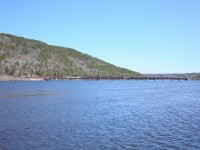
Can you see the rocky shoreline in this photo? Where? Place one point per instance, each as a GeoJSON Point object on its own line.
{"type": "Point", "coordinates": [11, 78]}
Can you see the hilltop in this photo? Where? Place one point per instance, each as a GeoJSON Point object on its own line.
{"type": "Point", "coordinates": [25, 57]}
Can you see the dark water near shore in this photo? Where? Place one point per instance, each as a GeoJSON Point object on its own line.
{"type": "Point", "coordinates": [100, 115]}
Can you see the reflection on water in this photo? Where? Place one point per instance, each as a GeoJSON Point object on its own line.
{"type": "Point", "coordinates": [100, 115]}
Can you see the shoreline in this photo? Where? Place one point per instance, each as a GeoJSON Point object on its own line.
{"type": "Point", "coordinates": [36, 78]}
{"type": "Point", "coordinates": [10, 78]}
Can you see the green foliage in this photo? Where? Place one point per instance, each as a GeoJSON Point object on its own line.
{"type": "Point", "coordinates": [1, 44]}
{"type": "Point", "coordinates": [12, 70]}
{"type": "Point", "coordinates": [24, 51]}
{"type": "Point", "coordinates": [38, 73]}
{"type": "Point", "coordinates": [2, 57]}
{"type": "Point", "coordinates": [7, 70]}
{"type": "Point", "coordinates": [47, 60]}
{"type": "Point", "coordinates": [17, 63]}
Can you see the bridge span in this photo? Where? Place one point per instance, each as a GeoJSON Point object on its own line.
{"type": "Point", "coordinates": [112, 78]}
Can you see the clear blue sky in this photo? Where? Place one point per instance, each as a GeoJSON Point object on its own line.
{"type": "Point", "coordinates": [149, 36]}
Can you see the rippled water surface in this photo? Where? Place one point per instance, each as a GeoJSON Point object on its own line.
{"type": "Point", "coordinates": [100, 115]}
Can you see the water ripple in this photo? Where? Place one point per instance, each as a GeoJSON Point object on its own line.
{"type": "Point", "coordinates": [100, 115]}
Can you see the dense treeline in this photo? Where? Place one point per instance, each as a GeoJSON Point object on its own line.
{"type": "Point", "coordinates": [22, 57]}
{"type": "Point", "coordinates": [190, 76]}
{"type": "Point", "coordinates": [193, 76]}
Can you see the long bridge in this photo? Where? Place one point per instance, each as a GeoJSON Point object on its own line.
{"type": "Point", "coordinates": [112, 78]}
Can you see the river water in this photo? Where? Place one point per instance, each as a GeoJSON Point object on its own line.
{"type": "Point", "coordinates": [100, 115]}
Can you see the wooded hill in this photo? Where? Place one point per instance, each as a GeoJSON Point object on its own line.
{"type": "Point", "coordinates": [21, 57]}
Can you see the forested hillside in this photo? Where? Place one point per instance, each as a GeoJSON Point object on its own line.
{"type": "Point", "coordinates": [21, 57]}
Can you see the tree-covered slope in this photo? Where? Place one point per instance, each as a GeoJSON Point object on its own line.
{"type": "Point", "coordinates": [21, 57]}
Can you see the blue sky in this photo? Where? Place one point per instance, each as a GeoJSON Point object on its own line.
{"type": "Point", "coordinates": [148, 36]}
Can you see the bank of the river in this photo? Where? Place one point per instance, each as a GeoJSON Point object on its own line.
{"type": "Point", "coordinates": [11, 78]}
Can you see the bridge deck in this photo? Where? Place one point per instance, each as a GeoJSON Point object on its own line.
{"type": "Point", "coordinates": [114, 78]}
